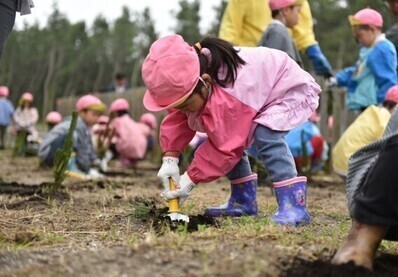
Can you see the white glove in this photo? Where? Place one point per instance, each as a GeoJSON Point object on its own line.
{"type": "Point", "coordinates": [183, 190]}
{"type": "Point", "coordinates": [103, 165]}
{"type": "Point", "coordinates": [168, 169]}
{"type": "Point", "coordinates": [331, 82]}
{"type": "Point", "coordinates": [94, 174]}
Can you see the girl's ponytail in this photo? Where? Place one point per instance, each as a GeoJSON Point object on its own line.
{"type": "Point", "coordinates": [220, 55]}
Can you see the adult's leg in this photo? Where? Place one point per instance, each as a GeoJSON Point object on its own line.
{"type": "Point", "coordinates": [360, 245]}
{"type": "Point", "coordinates": [7, 18]}
{"type": "Point", "coordinates": [374, 210]}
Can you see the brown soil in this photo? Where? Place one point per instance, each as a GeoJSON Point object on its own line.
{"type": "Point", "coordinates": [118, 226]}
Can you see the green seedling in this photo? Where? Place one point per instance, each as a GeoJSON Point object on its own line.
{"type": "Point", "coordinates": [62, 157]}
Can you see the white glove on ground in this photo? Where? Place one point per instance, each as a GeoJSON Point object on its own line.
{"type": "Point", "coordinates": [168, 169]}
{"type": "Point", "coordinates": [183, 190]}
{"type": "Point", "coordinates": [94, 174]}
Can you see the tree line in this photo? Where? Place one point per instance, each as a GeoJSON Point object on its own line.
{"type": "Point", "coordinates": [64, 58]}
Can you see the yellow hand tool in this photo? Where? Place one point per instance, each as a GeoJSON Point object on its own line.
{"type": "Point", "coordinates": [174, 206]}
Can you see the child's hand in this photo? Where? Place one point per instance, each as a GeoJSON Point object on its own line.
{"type": "Point", "coordinates": [183, 190]}
{"type": "Point", "coordinates": [169, 169]}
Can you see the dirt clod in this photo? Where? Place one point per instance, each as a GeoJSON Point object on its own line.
{"type": "Point", "coordinates": [25, 237]}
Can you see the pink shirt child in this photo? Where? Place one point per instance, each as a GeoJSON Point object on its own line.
{"type": "Point", "coordinates": [270, 90]}
{"type": "Point", "coordinates": [130, 138]}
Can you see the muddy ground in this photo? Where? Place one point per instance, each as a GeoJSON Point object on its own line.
{"type": "Point", "coordinates": [115, 227]}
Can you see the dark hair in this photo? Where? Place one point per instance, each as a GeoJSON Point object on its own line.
{"type": "Point", "coordinates": [223, 55]}
{"type": "Point", "coordinates": [388, 104]}
{"type": "Point", "coordinates": [366, 27]}
{"type": "Point", "coordinates": [121, 113]}
{"type": "Point", "coordinates": [120, 75]}
{"type": "Point", "coordinates": [275, 13]}
{"type": "Point", "coordinates": [23, 103]}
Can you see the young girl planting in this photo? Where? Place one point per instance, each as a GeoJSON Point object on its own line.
{"type": "Point", "coordinates": [236, 96]}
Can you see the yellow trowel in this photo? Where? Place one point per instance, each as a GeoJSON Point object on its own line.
{"type": "Point", "coordinates": [174, 206]}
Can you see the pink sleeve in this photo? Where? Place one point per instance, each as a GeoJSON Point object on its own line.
{"type": "Point", "coordinates": [175, 134]}
{"type": "Point", "coordinates": [228, 123]}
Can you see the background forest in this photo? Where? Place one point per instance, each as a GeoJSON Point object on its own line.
{"type": "Point", "coordinates": [63, 59]}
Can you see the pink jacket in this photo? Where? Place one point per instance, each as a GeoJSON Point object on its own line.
{"type": "Point", "coordinates": [270, 89]}
{"type": "Point", "coordinates": [130, 137]}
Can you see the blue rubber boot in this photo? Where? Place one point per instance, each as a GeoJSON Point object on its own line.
{"type": "Point", "coordinates": [242, 201]}
{"type": "Point", "coordinates": [291, 196]}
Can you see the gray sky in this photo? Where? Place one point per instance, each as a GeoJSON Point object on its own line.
{"type": "Point", "coordinates": [78, 10]}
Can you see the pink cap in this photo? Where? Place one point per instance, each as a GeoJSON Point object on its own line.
{"type": "Point", "coordinates": [149, 119]}
{"type": "Point", "coordinates": [392, 94]}
{"type": "Point", "coordinates": [27, 96]}
{"type": "Point", "coordinates": [314, 117]}
{"type": "Point", "coordinates": [53, 117]}
{"type": "Point", "coordinates": [90, 102]}
{"type": "Point", "coordinates": [103, 119]}
{"type": "Point", "coordinates": [366, 16]}
{"type": "Point", "coordinates": [170, 72]}
{"type": "Point", "coordinates": [119, 105]}
{"type": "Point", "coordinates": [4, 91]}
{"type": "Point", "coordinates": [280, 4]}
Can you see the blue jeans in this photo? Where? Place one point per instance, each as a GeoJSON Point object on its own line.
{"type": "Point", "coordinates": [274, 153]}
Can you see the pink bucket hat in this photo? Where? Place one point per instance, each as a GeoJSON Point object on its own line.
{"type": "Point", "coordinates": [392, 94]}
{"type": "Point", "coordinates": [119, 105]}
{"type": "Point", "coordinates": [280, 4]}
{"type": "Point", "coordinates": [170, 72]}
{"type": "Point", "coordinates": [4, 91]}
{"type": "Point", "coordinates": [90, 102]}
{"type": "Point", "coordinates": [53, 117]}
{"type": "Point", "coordinates": [27, 96]}
{"type": "Point", "coordinates": [149, 119]}
{"type": "Point", "coordinates": [366, 16]}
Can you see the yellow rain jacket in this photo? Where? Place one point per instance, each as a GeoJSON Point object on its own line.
{"type": "Point", "coordinates": [244, 22]}
{"type": "Point", "coordinates": [368, 127]}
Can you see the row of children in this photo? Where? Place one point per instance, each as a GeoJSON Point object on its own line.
{"type": "Point", "coordinates": [127, 139]}
{"type": "Point", "coordinates": [98, 138]}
